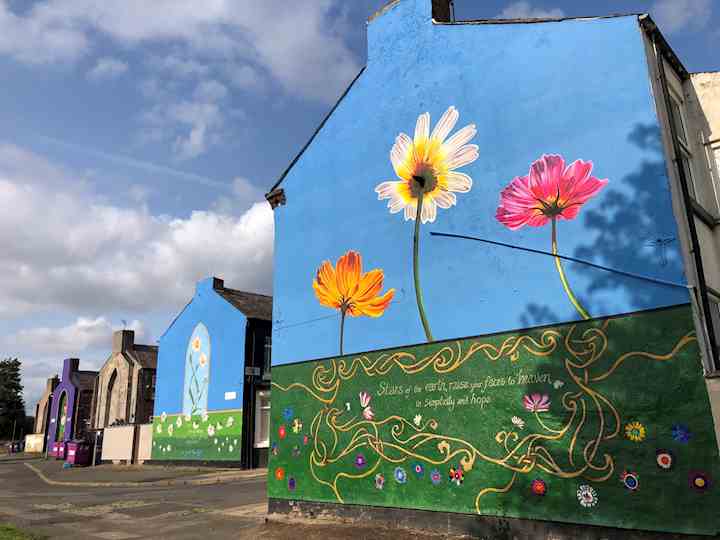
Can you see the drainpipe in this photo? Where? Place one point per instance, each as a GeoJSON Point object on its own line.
{"type": "Point", "coordinates": [689, 214]}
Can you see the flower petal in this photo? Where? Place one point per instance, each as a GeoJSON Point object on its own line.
{"type": "Point", "coordinates": [463, 156]}
{"type": "Point", "coordinates": [445, 199]}
{"type": "Point", "coordinates": [401, 156]}
{"type": "Point", "coordinates": [422, 128]}
{"type": "Point", "coordinates": [458, 182]}
{"type": "Point", "coordinates": [445, 125]}
{"type": "Point", "coordinates": [457, 141]}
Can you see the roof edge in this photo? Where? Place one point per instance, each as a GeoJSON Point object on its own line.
{"type": "Point", "coordinates": [536, 19]}
{"type": "Point", "coordinates": [652, 29]}
{"type": "Point", "coordinates": [315, 133]}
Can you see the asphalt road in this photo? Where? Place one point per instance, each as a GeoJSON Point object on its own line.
{"type": "Point", "coordinates": [228, 510]}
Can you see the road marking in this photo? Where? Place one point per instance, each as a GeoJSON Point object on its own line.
{"type": "Point", "coordinates": [115, 535]}
{"type": "Point", "coordinates": [248, 510]}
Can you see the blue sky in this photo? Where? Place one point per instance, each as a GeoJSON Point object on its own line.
{"type": "Point", "coordinates": [138, 138]}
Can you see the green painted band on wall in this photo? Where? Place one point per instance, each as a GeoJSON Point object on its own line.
{"type": "Point", "coordinates": [604, 422]}
{"type": "Point", "coordinates": [215, 436]}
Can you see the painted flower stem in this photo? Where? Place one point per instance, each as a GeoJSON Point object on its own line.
{"type": "Point", "coordinates": [416, 269]}
{"type": "Point", "coordinates": [558, 264]}
{"type": "Point", "coordinates": [342, 329]}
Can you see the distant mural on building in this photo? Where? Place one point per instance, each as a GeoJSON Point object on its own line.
{"type": "Point", "coordinates": [197, 372]}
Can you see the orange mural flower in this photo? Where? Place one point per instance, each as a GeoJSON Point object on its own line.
{"type": "Point", "coordinates": [345, 288]}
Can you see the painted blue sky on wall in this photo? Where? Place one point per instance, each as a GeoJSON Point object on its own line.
{"type": "Point", "coordinates": [552, 89]}
{"type": "Point", "coordinates": [154, 143]}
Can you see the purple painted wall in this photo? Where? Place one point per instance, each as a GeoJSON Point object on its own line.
{"type": "Point", "coordinates": [70, 366]}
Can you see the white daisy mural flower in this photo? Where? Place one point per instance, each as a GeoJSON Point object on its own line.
{"type": "Point", "coordinates": [418, 419]}
{"type": "Point", "coordinates": [235, 442]}
{"type": "Point", "coordinates": [205, 416]}
{"type": "Point", "coordinates": [518, 422]}
{"type": "Point", "coordinates": [230, 448]}
{"type": "Point", "coordinates": [163, 417]}
{"type": "Point", "coordinates": [587, 496]}
{"type": "Point", "coordinates": [215, 441]}
{"type": "Point", "coordinates": [195, 425]}
{"type": "Point", "coordinates": [170, 430]}
{"type": "Point", "coordinates": [188, 418]}
{"type": "Point", "coordinates": [178, 422]}
{"type": "Point", "coordinates": [558, 384]}
{"type": "Point", "coordinates": [230, 421]}
{"type": "Point", "coordinates": [169, 448]}
{"type": "Point", "coordinates": [158, 428]}
{"type": "Point", "coordinates": [211, 431]}
{"type": "Point", "coordinates": [218, 426]}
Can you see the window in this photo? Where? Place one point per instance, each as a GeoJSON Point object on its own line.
{"type": "Point", "coordinates": [262, 419]}
{"type": "Point", "coordinates": [677, 118]}
{"type": "Point", "coordinates": [267, 360]}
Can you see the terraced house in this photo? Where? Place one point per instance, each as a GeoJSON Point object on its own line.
{"type": "Point", "coordinates": [501, 297]}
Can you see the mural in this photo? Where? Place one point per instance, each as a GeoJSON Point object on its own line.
{"type": "Point", "coordinates": [211, 436]}
{"type": "Point", "coordinates": [604, 421]}
{"type": "Point", "coordinates": [197, 372]}
{"type": "Point", "coordinates": [62, 417]}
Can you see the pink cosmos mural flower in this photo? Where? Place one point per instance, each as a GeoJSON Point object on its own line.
{"type": "Point", "coordinates": [550, 192]}
{"type": "Point", "coordinates": [364, 399]}
{"type": "Point", "coordinates": [536, 402]}
{"type": "Point", "coordinates": [368, 413]}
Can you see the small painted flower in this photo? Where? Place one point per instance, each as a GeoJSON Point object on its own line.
{"type": "Point", "coordinates": [368, 413]}
{"type": "Point", "coordinates": [587, 496]}
{"type": "Point", "coordinates": [195, 425]}
{"type": "Point", "coordinates": [681, 433]}
{"type": "Point", "coordinates": [360, 461]}
{"type": "Point", "coordinates": [630, 480]}
{"type": "Point", "coordinates": [178, 422]}
{"type": "Point", "coordinates": [558, 384]}
{"type": "Point", "coordinates": [400, 475]}
{"type": "Point", "coordinates": [635, 431]}
{"type": "Point", "coordinates": [163, 417]}
{"type": "Point", "coordinates": [456, 475]}
{"type": "Point", "coordinates": [364, 399]}
{"type": "Point", "coordinates": [291, 484]}
{"type": "Point", "coordinates": [282, 432]}
{"type": "Point", "coordinates": [538, 487]}
{"type": "Point", "coordinates": [419, 469]}
{"type": "Point", "coordinates": [518, 422]}
{"type": "Point", "coordinates": [215, 441]}
{"type": "Point", "coordinates": [664, 459]}
{"type": "Point", "coordinates": [170, 430]}
{"type": "Point", "coordinates": [347, 406]}
{"type": "Point", "coordinates": [274, 449]}
{"type": "Point", "coordinates": [288, 413]}
{"type": "Point", "coordinates": [169, 448]}
{"type": "Point", "coordinates": [417, 420]}
{"type": "Point", "coordinates": [230, 421]}
{"type": "Point", "coordinates": [235, 442]}
{"type": "Point", "coordinates": [158, 428]}
{"type": "Point", "coordinates": [230, 448]}
{"type": "Point", "coordinates": [699, 481]}
{"type": "Point", "coordinates": [187, 417]}
{"type": "Point", "coordinates": [306, 440]}
{"type": "Point", "coordinates": [296, 451]}
{"type": "Point", "coordinates": [218, 426]}
{"type": "Point", "coordinates": [211, 430]}
{"type": "Point", "coordinates": [196, 343]}
{"type": "Point", "coordinates": [202, 361]}
{"type": "Point", "coordinates": [279, 473]}
{"type": "Point", "coordinates": [536, 402]}
{"type": "Point", "coordinates": [205, 417]}
{"type": "Point", "coordinates": [435, 477]}
{"type": "Point", "coordinates": [379, 481]}
{"type": "Point", "coordinates": [297, 426]}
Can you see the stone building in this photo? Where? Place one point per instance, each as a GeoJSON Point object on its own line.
{"type": "Point", "coordinates": [72, 406]}
{"type": "Point", "coordinates": [126, 383]}
{"type": "Point", "coordinates": [35, 441]}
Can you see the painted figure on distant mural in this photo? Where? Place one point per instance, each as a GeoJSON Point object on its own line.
{"type": "Point", "coordinates": [197, 372]}
{"type": "Point", "coordinates": [426, 167]}
{"type": "Point", "coordinates": [551, 191]}
{"type": "Point", "coordinates": [62, 414]}
{"type": "Point", "coordinates": [351, 292]}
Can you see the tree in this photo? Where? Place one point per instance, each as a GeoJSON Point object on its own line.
{"type": "Point", "coordinates": [12, 406]}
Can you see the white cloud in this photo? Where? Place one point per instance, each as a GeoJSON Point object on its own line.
{"type": "Point", "coordinates": [107, 68]}
{"type": "Point", "coordinates": [525, 10]}
{"type": "Point", "coordinates": [76, 253]}
{"type": "Point", "coordinates": [245, 77]}
{"type": "Point", "coordinates": [83, 334]}
{"type": "Point", "coordinates": [674, 15]}
{"type": "Point", "coordinates": [211, 91]}
{"type": "Point", "coordinates": [244, 195]}
{"type": "Point", "coordinates": [293, 42]}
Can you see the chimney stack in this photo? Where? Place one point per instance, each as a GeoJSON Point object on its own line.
{"type": "Point", "coordinates": [442, 10]}
{"type": "Point", "coordinates": [123, 340]}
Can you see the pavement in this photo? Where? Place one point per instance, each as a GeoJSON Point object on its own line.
{"type": "Point", "coordinates": [158, 504]}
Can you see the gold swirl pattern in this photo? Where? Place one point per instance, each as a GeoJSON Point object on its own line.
{"type": "Point", "coordinates": [590, 417]}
